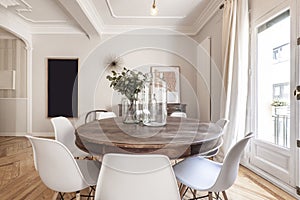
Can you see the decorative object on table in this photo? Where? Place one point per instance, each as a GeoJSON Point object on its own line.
{"type": "Point", "coordinates": [154, 101]}
{"type": "Point", "coordinates": [128, 83]}
{"type": "Point", "coordinates": [170, 74]}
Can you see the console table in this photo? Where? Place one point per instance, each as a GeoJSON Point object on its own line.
{"type": "Point", "coordinates": [171, 107]}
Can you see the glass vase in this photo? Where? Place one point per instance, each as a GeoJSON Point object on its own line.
{"type": "Point", "coordinates": [129, 111]}
{"type": "Point", "coordinates": [154, 100]}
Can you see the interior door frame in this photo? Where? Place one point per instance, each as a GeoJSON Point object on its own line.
{"type": "Point", "coordinates": [296, 32]}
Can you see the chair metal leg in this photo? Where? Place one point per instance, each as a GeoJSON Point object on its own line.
{"type": "Point", "coordinates": [210, 196]}
{"type": "Point", "coordinates": [224, 195]}
{"type": "Point", "coordinates": [182, 191]}
{"type": "Point", "coordinates": [78, 195]}
{"type": "Point", "coordinates": [55, 196]}
{"type": "Point", "coordinates": [195, 193]}
{"type": "Point", "coordinates": [91, 192]}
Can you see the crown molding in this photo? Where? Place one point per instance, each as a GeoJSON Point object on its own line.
{"type": "Point", "coordinates": [139, 17]}
{"type": "Point", "coordinates": [55, 28]}
{"type": "Point", "coordinates": [15, 25]}
{"type": "Point", "coordinates": [209, 12]}
{"type": "Point", "coordinates": [192, 30]}
{"type": "Point", "coordinates": [118, 29]}
{"type": "Point", "coordinates": [41, 21]}
{"type": "Point", "coordinates": [91, 23]}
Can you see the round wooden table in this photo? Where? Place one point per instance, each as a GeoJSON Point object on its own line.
{"type": "Point", "coordinates": [180, 137]}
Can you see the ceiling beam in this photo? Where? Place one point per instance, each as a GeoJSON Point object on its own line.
{"type": "Point", "coordinates": [85, 15]}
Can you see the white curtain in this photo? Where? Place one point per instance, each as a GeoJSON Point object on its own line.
{"type": "Point", "coordinates": [235, 48]}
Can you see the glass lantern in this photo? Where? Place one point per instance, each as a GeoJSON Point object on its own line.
{"type": "Point", "coordinates": [154, 100]}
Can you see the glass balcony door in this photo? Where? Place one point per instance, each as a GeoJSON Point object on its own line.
{"type": "Point", "coordinates": [271, 149]}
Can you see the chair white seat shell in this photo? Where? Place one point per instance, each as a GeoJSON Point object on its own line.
{"type": "Point", "coordinates": [136, 177]}
{"type": "Point", "coordinates": [178, 114]}
{"type": "Point", "coordinates": [98, 115]}
{"type": "Point", "coordinates": [59, 170]}
{"type": "Point", "coordinates": [65, 133]}
{"type": "Point", "coordinates": [105, 115]}
{"type": "Point", "coordinates": [202, 174]}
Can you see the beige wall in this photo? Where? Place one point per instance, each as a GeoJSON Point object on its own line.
{"type": "Point", "coordinates": [79, 46]}
{"type": "Point", "coordinates": [213, 29]}
{"type": "Point", "coordinates": [259, 8]}
{"type": "Point", "coordinates": [142, 60]}
{"type": "Point", "coordinates": [52, 46]}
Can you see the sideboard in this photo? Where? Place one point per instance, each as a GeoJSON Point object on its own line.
{"type": "Point", "coordinates": [171, 107]}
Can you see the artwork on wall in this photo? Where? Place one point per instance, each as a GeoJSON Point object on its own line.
{"type": "Point", "coordinates": [170, 74]}
{"type": "Point", "coordinates": [62, 87]}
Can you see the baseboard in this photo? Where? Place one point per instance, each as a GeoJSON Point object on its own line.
{"type": "Point", "coordinates": [18, 134]}
{"type": "Point", "coordinates": [12, 133]}
{"type": "Point", "coordinates": [42, 134]}
{"type": "Point", "coordinates": [287, 188]}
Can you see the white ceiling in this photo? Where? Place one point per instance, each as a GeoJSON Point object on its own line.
{"type": "Point", "coordinates": [96, 17]}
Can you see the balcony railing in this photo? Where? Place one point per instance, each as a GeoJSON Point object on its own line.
{"type": "Point", "coordinates": [281, 121]}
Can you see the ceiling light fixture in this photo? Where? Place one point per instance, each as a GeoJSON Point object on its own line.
{"type": "Point", "coordinates": [154, 9]}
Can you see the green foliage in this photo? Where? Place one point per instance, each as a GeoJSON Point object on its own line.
{"type": "Point", "coordinates": [127, 82]}
{"type": "Point", "coordinates": [279, 103]}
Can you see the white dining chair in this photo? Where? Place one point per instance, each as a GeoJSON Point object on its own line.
{"type": "Point", "coordinates": [178, 114]}
{"type": "Point", "coordinates": [213, 152]}
{"type": "Point", "coordinates": [136, 177]}
{"type": "Point", "coordinates": [222, 123]}
{"type": "Point", "coordinates": [58, 169]}
{"type": "Point", "coordinates": [98, 115]}
{"type": "Point", "coordinates": [198, 173]}
{"type": "Point", "coordinates": [65, 133]}
{"type": "Point", "coordinates": [105, 115]}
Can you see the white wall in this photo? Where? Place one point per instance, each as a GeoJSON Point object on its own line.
{"type": "Point", "coordinates": [52, 46]}
{"type": "Point", "coordinates": [142, 60]}
{"type": "Point", "coordinates": [213, 29]}
{"type": "Point", "coordinates": [258, 8]}
{"type": "Point", "coordinates": [93, 55]}
{"type": "Point", "coordinates": [165, 49]}
{"type": "Point", "coordinates": [139, 49]}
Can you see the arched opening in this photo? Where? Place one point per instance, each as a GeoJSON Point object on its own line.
{"type": "Point", "coordinates": [13, 84]}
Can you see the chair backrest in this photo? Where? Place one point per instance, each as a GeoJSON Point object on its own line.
{"type": "Point", "coordinates": [92, 115]}
{"type": "Point", "coordinates": [136, 177]}
{"type": "Point", "coordinates": [105, 115]}
{"type": "Point", "coordinates": [64, 132]}
{"type": "Point", "coordinates": [56, 165]}
{"type": "Point", "coordinates": [222, 123]}
{"type": "Point", "coordinates": [178, 114]}
{"type": "Point", "coordinates": [212, 151]}
{"type": "Point", "coordinates": [230, 166]}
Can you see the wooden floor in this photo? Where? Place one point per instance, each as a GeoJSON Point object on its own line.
{"type": "Point", "coordinates": [19, 180]}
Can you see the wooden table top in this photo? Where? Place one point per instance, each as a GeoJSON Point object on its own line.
{"type": "Point", "coordinates": [180, 137]}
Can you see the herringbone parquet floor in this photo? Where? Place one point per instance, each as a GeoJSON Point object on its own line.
{"type": "Point", "coordinates": [19, 180]}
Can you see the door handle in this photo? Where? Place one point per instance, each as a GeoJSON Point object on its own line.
{"type": "Point", "coordinates": [297, 92]}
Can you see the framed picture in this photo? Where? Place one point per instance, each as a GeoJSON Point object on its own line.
{"type": "Point", "coordinates": [62, 87]}
{"type": "Point", "coordinates": [171, 74]}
